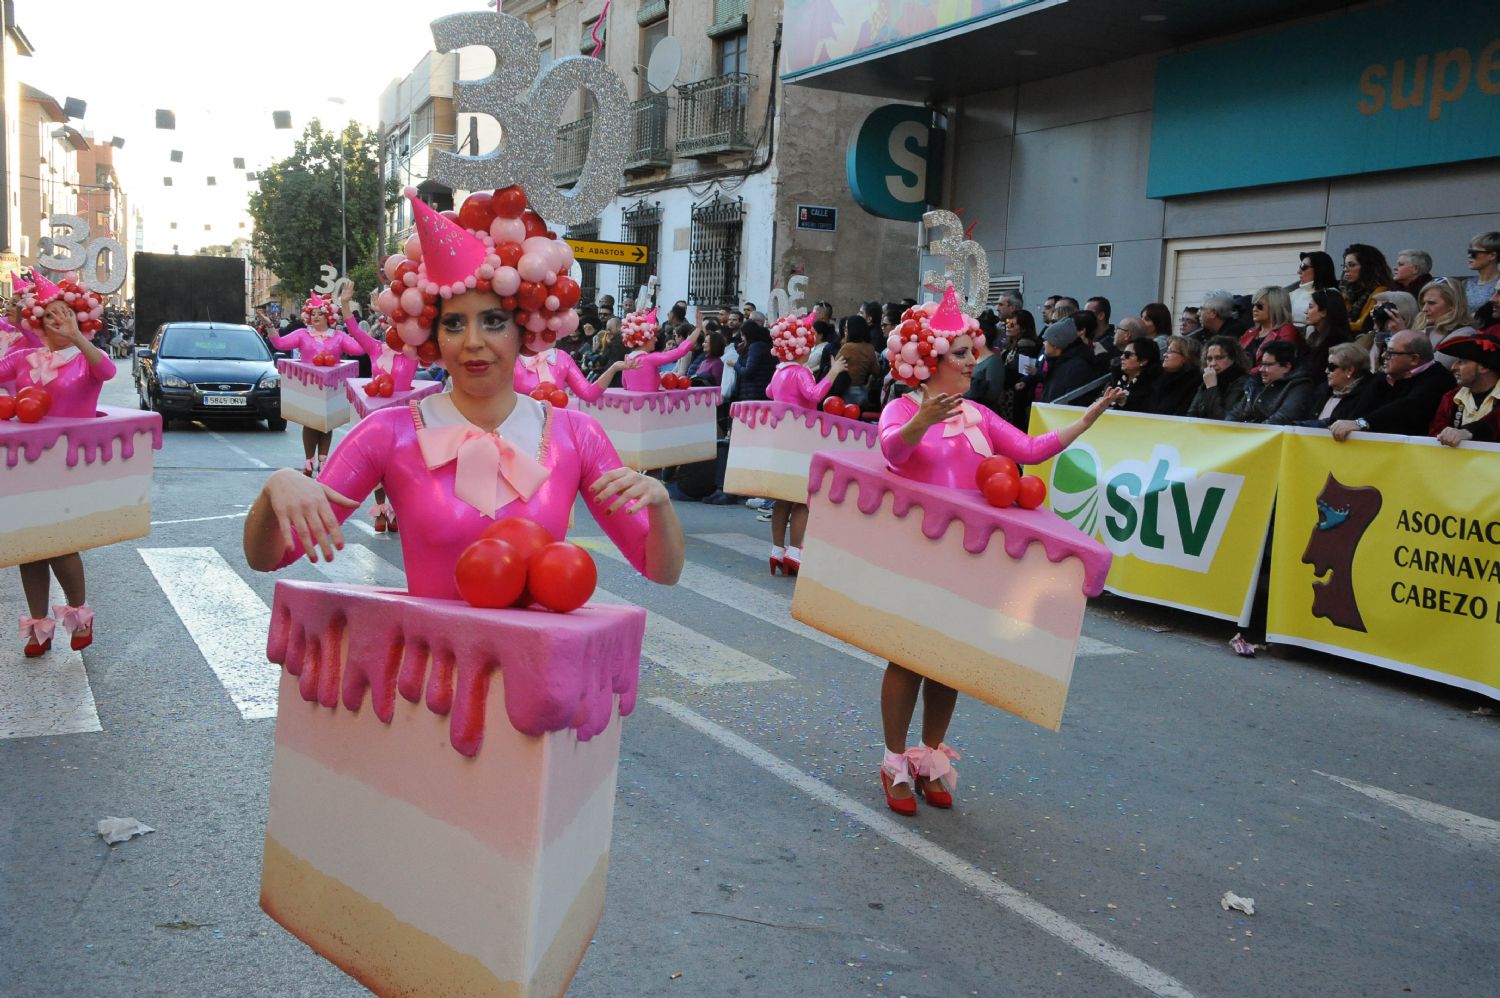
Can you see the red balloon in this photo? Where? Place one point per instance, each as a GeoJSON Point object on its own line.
{"type": "Point", "coordinates": [562, 576]}
{"type": "Point", "coordinates": [403, 268]}
{"type": "Point", "coordinates": [450, 215]}
{"type": "Point", "coordinates": [534, 224]}
{"type": "Point", "coordinates": [490, 573]}
{"type": "Point", "coordinates": [540, 394]}
{"type": "Point", "coordinates": [371, 388]}
{"type": "Point", "coordinates": [558, 398]}
{"type": "Point", "coordinates": [521, 316]}
{"type": "Point", "coordinates": [1033, 492]}
{"type": "Point", "coordinates": [399, 315]}
{"type": "Point", "coordinates": [7, 407]}
{"type": "Point", "coordinates": [527, 537]}
{"type": "Point", "coordinates": [996, 465]}
{"type": "Point", "coordinates": [37, 392]}
{"type": "Point", "coordinates": [509, 303]}
{"type": "Point", "coordinates": [1001, 490]}
{"type": "Point", "coordinates": [386, 385]}
{"type": "Point", "coordinates": [547, 386]}
{"type": "Point", "coordinates": [509, 253]}
{"type": "Point", "coordinates": [429, 312]}
{"type": "Point", "coordinates": [394, 341]}
{"type": "Point", "coordinates": [833, 405]}
{"type": "Point", "coordinates": [852, 411]}
{"type": "Point", "coordinates": [567, 291]}
{"type": "Point", "coordinates": [475, 213]}
{"type": "Point", "coordinates": [531, 295]}
{"type": "Point", "coordinates": [427, 353]}
{"type": "Point", "coordinates": [30, 410]}
{"type": "Point", "coordinates": [508, 202]}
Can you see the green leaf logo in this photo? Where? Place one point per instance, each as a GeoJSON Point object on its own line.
{"type": "Point", "coordinates": [1075, 487]}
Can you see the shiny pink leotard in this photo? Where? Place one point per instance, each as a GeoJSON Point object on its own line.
{"type": "Point", "coordinates": [308, 344]}
{"type": "Point", "coordinates": [436, 526]}
{"type": "Point", "coordinates": [952, 460]}
{"type": "Point", "coordinates": [793, 384]}
{"type": "Point", "coordinates": [13, 340]}
{"type": "Point", "coordinates": [400, 365]}
{"type": "Point", "coordinates": [647, 377]}
{"type": "Point", "coordinates": [562, 371]}
{"type": "Point", "coordinates": [75, 389]}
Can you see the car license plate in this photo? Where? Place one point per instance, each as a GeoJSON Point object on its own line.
{"type": "Point", "coordinates": [224, 400]}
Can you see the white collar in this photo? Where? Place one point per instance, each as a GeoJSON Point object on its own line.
{"type": "Point", "coordinates": [523, 427]}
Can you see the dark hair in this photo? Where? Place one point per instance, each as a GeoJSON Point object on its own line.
{"type": "Point", "coordinates": [1239, 360]}
{"type": "Point", "coordinates": [892, 313]}
{"type": "Point", "coordinates": [1279, 351]}
{"type": "Point", "coordinates": [1335, 325]}
{"type": "Point", "coordinates": [1324, 276]}
{"type": "Point", "coordinates": [989, 324]}
{"type": "Point", "coordinates": [1146, 351]}
{"type": "Point", "coordinates": [1159, 317]}
{"type": "Point", "coordinates": [1103, 303]}
{"type": "Point", "coordinates": [1027, 322]}
{"type": "Point", "coordinates": [678, 312]}
{"type": "Point", "coordinates": [856, 329]}
{"type": "Point", "coordinates": [683, 330]}
{"type": "Point", "coordinates": [825, 330]}
{"type": "Point", "coordinates": [1086, 322]}
{"type": "Point", "coordinates": [716, 344]}
{"type": "Point", "coordinates": [1374, 271]}
{"type": "Point", "coordinates": [754, 332]}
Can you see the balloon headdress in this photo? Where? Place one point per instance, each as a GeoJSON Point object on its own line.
{"type": "Point", "coordinates": [317, 304]}
{"type": "Point", "coordinates": [638, 330]}
{"type": "Point", "coordinates": [493, 242]}
{"type": "Point", "coordinates": [792, 337]}
{"type": "Point", "coordinates": [87, 306]}
{"type": "Point", "coordinates": [926, 332]}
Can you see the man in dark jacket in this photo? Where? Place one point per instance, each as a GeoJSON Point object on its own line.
{"type": "Point", "coordinates": [1069, 360]}
{"type": "Point", "coordinates": [1404, 400]}
{"type": "Point", "coordinates": [1281, 395]}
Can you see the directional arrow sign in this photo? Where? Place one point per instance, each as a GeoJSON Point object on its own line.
{"type": "Point", "coordinates": [595, 251]}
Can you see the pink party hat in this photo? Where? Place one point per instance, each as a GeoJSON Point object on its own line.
{"type": "Point", "coordinates": [949, 318]}
{"type": "Point", "coordinates": [46, 292]}
{"type": "Point", "coordinates": [451, 256]}
{"type": "Point", "coordinates": [21, 284]}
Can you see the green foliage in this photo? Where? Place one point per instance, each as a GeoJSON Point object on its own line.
{"type": "Point", "coordinates": [296, 209]}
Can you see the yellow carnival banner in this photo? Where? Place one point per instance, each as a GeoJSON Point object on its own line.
{"type": "Point", "coordinates": [1387, 551]}
{"type": "Point", "coordinates": [1184, 504]}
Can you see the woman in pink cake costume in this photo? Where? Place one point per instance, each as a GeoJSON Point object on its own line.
{"type": "Point", "coordinates": [15, 335]}
{"type": "Point", "coordinates": [793, 383]}
{"type": "Point", "coordinates": [70, 370]}
{"type": "Point", "coordinates": [643, 368]}
{"type": "Point", "coordinates": [318, 342]}
{"type": "Point", "coordinates": [934, 435]}
{"type": "Point", "coordinates": [456, 462]}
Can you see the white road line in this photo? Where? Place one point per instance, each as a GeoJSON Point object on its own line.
{"type": "Point", "coordinates": [695, 657]}
{"type": "Point", "coordinates": [1479, 831]}
{"type": "Point", "coordinates": [748, 599]}
{"type": "Point", "coordinates": [759, 550]}
{"type": "Point", "coordinates": [358, 565]}
{"type": "Point", "coordinates": [200, 519]}
{"type": "Point", "coordinates": [992, 889]}
{"type": "Point", "coordinates": [227, 620]}
{"type": "Point", "coordinates": [44, 696]}
{"type": "Point", "coordinates": [255, 462]}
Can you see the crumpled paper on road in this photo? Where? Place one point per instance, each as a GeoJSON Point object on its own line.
{"type": "Point", "coordinates": [114, 830]}
{"type": "Point", "coordinates": [1231, 900]}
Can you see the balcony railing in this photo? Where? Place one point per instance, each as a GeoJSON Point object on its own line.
{"type": "Point", "coordinates": [572, 150]}
{"type": "Point", "coordinates": [712, 116]}
{"type": "Point", "coordinates": [420, 160]}
{"type": "Point", "coordinates": [648, 150]}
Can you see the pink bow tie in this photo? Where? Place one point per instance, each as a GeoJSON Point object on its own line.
{"type": "Point", "coordinates": [44, 366]}
{"type": "Point", "coordinates": [532, 362]}
{"type": "Point", "coordinates": [386, 360]}
{"type": "Point", "coordinates": [967, 421]}
{"type": "Point", "coordinates": [491, 470]}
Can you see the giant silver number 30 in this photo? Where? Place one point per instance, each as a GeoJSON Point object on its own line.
{"type": "Point", "coordinates": [965, 262]}
{"type": "Point", "coordinates": [72, 249]}
{"type": "Point", "coordinates": [529, 109]}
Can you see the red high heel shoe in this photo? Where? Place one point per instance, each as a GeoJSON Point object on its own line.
{"type": "Point", "coordinates": [775, 564]}
{"type": "Point", "coordinates": [778, 562]}
{"type": "Point", "coordinates": [790, 566]}
{"type": "Point", "coordinates": [38, 634]}
{"type": "Point", "coordinates": [380, 512]}
{"type": "Point", "coordinates": [934, 770]}
{"type": "Point", "coordinates": [893, 772]}
{"type": "Point", "coordinates": [75, 619]}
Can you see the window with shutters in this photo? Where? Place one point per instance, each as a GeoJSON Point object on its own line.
{"type": "Point", "coordinates": [714, 256]}
{"type": "Point", "coordinates": [641, 224]}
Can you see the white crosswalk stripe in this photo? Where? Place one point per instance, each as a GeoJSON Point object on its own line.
{"type": "Point", "coordinates": [695, 657]}
{"type": "Point", "coordinates": [357, 565]}
{"type": "Point", "coordinates": [758, 549]}
{"type": "Point", "coordinates": [227, 620]}
{"type": "Point", "coordinates": [42, 696]}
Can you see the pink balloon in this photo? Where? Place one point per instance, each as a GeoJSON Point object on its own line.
{"type": "Point", "coordinates": [411, 301]}
{"type": "Point", "coordinates": [507, 281]}
{"type": "Point", "coordinates": [552, 304]}
{"type": "Point", "coordinates": [554, 324]}
{"type": "Point", "coordinates": [388, 301]}
{"type": "Point", "coordinates": [532, 266]}
{"type": "Point", "coordinates": [905, 370]}
{"type": "Point", "coordinates": [566, 259]}
{"type": "Point", "coordinates": [413, 333]}
{"type": "Point", "coordinates": [569, 320]}
{"type": "Point", "coordinates": [413, 248]}
{"type": "Point", "coordinates": [536, 323]}
{"type": "Point", "coordinates": [391, 263]}
{"type": "Point", "coordinates": [507, 230]}
{"type": "Point", "coordinates": [940, 346]}
{"type": "Point", "coordinates": [538, 244]}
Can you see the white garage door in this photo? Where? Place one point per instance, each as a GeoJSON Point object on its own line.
{"type": "Point", "coordinates": [1238, 264]}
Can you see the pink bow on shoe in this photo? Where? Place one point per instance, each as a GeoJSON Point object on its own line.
{"type": "Point", "coordinates": [967, 421]}
{"type": "Point", "coordinates": [896, 767]}
{"type": "Point", "coordinates": [38, 629]}
{"type": "Point", "coordinates": [74, 618]}
{"type": "Point", "coordinates": [382, 509]}
{"type": "Point", "coordinates": [935, 764]}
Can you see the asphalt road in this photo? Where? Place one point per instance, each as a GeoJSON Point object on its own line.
{"type": "Point", "coordinates": [752, 851]}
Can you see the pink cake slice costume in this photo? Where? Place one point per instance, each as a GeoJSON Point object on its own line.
{"type": "Point", "coordinates": [556, 367]}
{"type": "Point", "coordinates": [401, 365]}
{"type": "Point", "coordinates": [647, 377]}
{"type": "Point", "coordinates": [81, 477]}
{"type": "Point", "coordinates": [659, 428]}
{"type": "Point", "coordinates": [905, 559]}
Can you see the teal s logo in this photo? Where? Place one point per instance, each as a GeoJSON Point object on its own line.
{"type": "Point", "coordinates": [894, 162]}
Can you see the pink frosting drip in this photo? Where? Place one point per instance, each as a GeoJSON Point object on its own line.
{"type": "Point", "coordinates": [317, 377]}
{"type": "Point", "coordinates": [772, 413]}
{"type": "Point", "coordinates": [661, 401]}
{"type": "Point", "coordinates": [941, 506]}
{"type": "Point", "coordinates": [560, 670]}
{"type": "Point", "coordinates": [364, 404]}
{"type": "Point", "coordinates": [92, 438]}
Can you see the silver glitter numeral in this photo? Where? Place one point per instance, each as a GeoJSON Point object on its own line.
{"type": "Point", "coordinates": [70, 248]}
{"type": "Point", "coordinates": [965, 263]}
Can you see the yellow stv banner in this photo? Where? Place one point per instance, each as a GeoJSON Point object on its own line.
{"type": "Point", "coordinates": [1183, 504]}
{"type": "Point", "coordinates": [1387, 551]}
